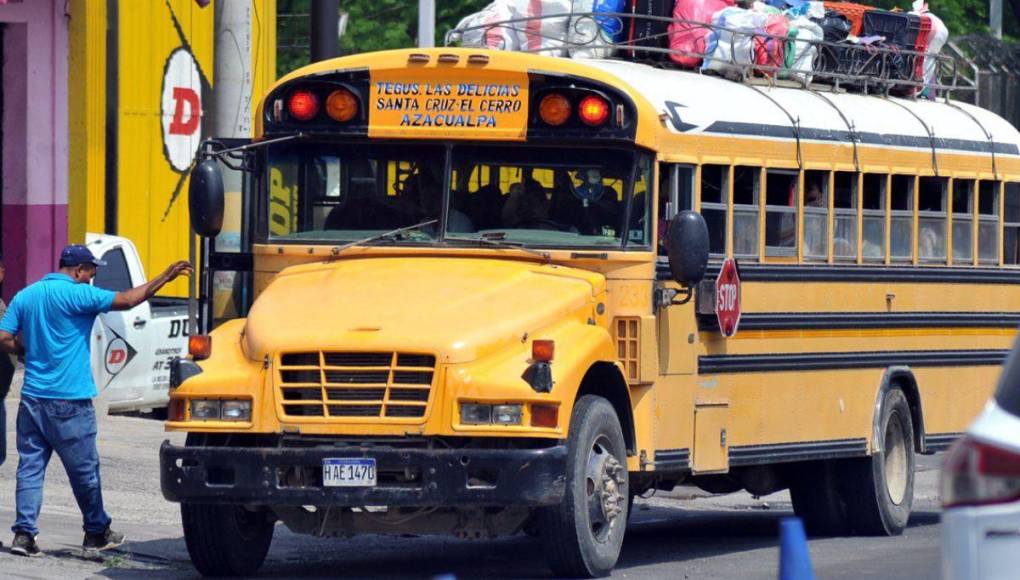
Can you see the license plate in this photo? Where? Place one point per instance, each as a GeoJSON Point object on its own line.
{"type": "Point", "coordinates": [348, 472]}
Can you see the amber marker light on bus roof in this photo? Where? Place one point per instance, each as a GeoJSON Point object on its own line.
{"type": "Point", "coordinates": [593, 111]}
{"type": "Point", "coordinates": [554, 109]}
{"type": "Point", "coordinates": [543, 350]}
{"type": "Point", "coordinates": [341, 105]}
{"type": "Point", "coordinates": [200, 346]}
{"type": "Point", "coordinates": [303, 105]}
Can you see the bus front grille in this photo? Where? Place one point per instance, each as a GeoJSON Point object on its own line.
{"type": "Point", "coordinates": [355, 385]}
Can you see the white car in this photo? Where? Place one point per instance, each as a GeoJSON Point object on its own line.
{"type": "Point", "coordinates": [981, 489]}
{"type": "Point", "coordinates": [132, 349]}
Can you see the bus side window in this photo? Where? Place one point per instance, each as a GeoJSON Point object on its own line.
{"type": "Point", "coordinates": [988, 221]}
{"type": "Point", "coordinates": [781, 213]}
{"type": "Point", "coordinates": [874, 217]}
{"type": "Point", "coordinates": [844, 240]}
{"type": "Point", "coordinates": [963, 221]}
{"type": "Point", "coordinates": [816, 215]}
{"type": "Point", "coordinates": [715, 193]}
{"type": "Point", "coordinates": [745, 211]}
{"type": "Point", "coordinates": [676, 193]}
{"type": "Point", "coordinates": [932, 216]}
{"type": "Point", "coordinates": [1011, 235]}
{"type": "Point", "coordinates": [901, 227]}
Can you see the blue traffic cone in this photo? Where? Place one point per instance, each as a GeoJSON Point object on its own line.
{"type": "Point", "coordinates": [794, 560]}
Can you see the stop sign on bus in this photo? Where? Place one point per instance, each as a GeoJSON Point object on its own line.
{"type": "Point", "coordinates": [727, 298]}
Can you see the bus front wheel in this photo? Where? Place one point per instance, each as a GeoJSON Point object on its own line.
{"type": "Point", "coordinates": [226, 540]}
{"type": "Point", "coordinates": [583, 535]}
{"type": "Point", "coordinates": [880, 488]}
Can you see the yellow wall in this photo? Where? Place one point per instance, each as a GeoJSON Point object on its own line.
{"type": "Point", "coordinates": [151, 195]}
{"type": "Point", "coordinates": [86, 118]}
{"type": "Point", "coordinates": [145, 181]}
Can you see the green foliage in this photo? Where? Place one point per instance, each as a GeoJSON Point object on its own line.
{"type": "Point", "coordinates": [372, 25]}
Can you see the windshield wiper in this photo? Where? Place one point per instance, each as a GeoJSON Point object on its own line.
{"type": "Point", "coordinates": [392, 235]}
{"type": "Point", "coordinates": [496, 240]}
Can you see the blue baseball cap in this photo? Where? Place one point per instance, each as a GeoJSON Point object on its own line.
{"type": "Point", "coordinates": [76, 255]}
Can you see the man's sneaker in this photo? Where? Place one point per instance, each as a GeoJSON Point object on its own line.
{"type": "Point", "coordinates": [24, 545]}
{"type": "Point", "coordinates": [102, 541]}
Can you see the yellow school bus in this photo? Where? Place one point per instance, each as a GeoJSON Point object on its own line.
{"type": "Point", "coordinates": [483, 302]}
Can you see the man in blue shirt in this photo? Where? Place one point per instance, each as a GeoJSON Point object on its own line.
{"type": "Point", "coordinates": [49, 324]}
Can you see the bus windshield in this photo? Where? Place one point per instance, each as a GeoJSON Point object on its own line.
{"type": "Point", "coordinates": [525, 195]}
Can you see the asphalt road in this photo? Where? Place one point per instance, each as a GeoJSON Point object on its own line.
{"type": "Point", "coordinates": [720, 537]}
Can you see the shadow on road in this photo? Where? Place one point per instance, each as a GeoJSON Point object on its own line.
{"type": "Point", "coordinates": [660, 535]}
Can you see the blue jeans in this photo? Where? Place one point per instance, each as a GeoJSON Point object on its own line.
{"type": "Point", "coordinates": [69, 428]}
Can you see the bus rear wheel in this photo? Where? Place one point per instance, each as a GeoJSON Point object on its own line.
{"type": "Point", "coordinates": [879, 490]}
{"type": "Point", "coordinates": [817, 499]}
{"type": "Point", "coordinates": [583, 535]}
{"type": "Point", "coordinates": [226, 540]}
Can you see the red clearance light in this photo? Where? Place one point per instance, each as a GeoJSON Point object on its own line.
{"type": "Point", "coordinates": [303, 105]}
{"type": "Point", "coordinates": [594, 111]}
{"type": "Point", "coordinates": [543, 350]}
{"type": "Point", "coordinates": [341, 106]}
{"type": "Point", "coordinates": [554, 109]}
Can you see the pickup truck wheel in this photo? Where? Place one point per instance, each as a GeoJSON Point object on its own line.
{"type": "Point", "coordinates": [582, 536]}
{"type": "Point", "coordinates": [226, 540]}
{"type": "Point", "coordinates": [880, 488]}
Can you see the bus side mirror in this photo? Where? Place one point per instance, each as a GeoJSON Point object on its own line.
{"type": "Point", "coordinates": [205, 198]}
{"type": "Point", "coordinates": [687, 247]}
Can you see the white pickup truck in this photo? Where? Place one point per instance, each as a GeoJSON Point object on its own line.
{"type": "Point", "coordinates": [132, 349]}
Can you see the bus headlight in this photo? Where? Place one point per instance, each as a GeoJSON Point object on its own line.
{"type": "Point", "coordinates": [236, 411]}
{"type": "Point", "coordinates": [204, 410]}
{"type": "Point", "coordinates": [479, 414]}
{"type": "Point", "coordinates": [215, 409]}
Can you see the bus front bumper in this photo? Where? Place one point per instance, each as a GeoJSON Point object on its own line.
{"type": "Point", "coordinates": [405, 477]}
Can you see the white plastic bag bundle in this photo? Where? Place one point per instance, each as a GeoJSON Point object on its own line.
{"type": "Point", "coordinates": [546, 29]}
{"type": "Point", "coordinates": [808, 31]}
{"type": "Point", "coordinates": [485, 29]}
{"type": "Point", "coordinates": [726, 52]}
{"type": "Point", "coordinates": [586, 35]}
{"type": "Point", "coordinates": [535, 30]}
{"type": "Point", "coordinates": [937, 38]}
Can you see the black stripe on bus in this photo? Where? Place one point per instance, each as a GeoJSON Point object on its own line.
{"type": "Point", "coordinates": [940, 441]}
{"type": "Point", "coordinates": [866, 320]}
{"type": "Point", "coordinates": [816, 361]}
{"type": "Point", "coordinates": [673, 459]}
{"type": "Point", "coordinates": [753, 272]}
{"type": "Point", "coordinates": [787, 452]}
{"type": "Point", "coordinates": [888, 140]}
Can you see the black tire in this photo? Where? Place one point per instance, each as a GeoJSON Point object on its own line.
{"type": "Point", "coordinates": [815, 491]}
{"type": "Point", "coordinates": [879, 490]}
{"type": "Point", "coordinates": [226, 540]}
{"type": "Point", "coordinates": [582, 538]}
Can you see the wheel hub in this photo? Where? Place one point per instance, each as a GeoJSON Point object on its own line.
{"type": "Point", "coordinates": [604, 485]}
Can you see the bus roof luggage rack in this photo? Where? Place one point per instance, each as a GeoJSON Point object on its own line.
{"type": "Point", "coordinates": [875, 68]}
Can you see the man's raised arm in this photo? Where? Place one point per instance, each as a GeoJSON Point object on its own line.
{"type": "Point", "coordinates": [128, 299]}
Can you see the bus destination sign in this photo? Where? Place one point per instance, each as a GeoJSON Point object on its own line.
{"type": "Point", "coordinates": [428, 103]}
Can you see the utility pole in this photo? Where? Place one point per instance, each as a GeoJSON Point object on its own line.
{"type": "Point", "coordinates": [995, 18]}
{"type": "Point", "coordinates": [325, 21]}
{"type": "Point", "coordinates": [427, 23]}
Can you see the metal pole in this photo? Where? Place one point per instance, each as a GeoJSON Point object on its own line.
{"type": "Point", "coordinates": [995, 17]}
{"type": "Point", "coordinates": [325, 19]}
{"type": "Point", "coordinates": [426, 23]}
